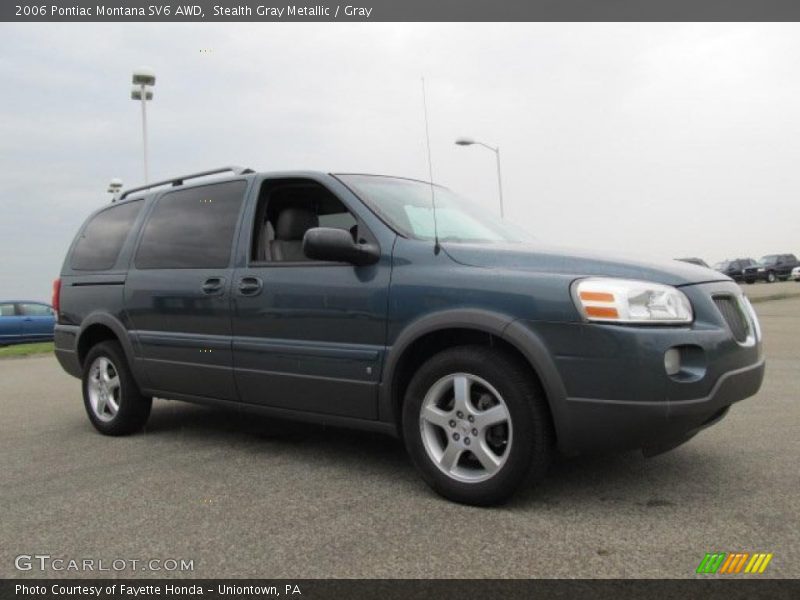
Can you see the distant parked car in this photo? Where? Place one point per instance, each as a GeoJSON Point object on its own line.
{"type": "Point", "coordinates": [771, 268]}
{"type": "Point", "coordinates": [735, 268]}
{"type": "Point", "coordinates": [694, 261]}
{"type": "Point", "coordinates": [22, 322]}
{"type": "Point", "coordinates": [795, 274]}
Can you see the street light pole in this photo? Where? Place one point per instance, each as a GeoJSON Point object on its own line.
{"type": "Point", "coordinates": [143, 94]}
{"type": "Point", "coordinates": [143, 80]}
{"type": "Point", "coordinates": [499, 181]}
{"type": "Point", "coordinates": [496, 149]}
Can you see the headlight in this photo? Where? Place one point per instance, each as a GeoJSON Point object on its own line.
{"type": "Point", "coordinates": [630, 301]}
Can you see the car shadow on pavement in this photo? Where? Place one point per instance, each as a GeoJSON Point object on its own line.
{"type": "Point", "coordinates": [574, 481]}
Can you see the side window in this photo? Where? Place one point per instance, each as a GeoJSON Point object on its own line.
{"type": "Point", "coordinates": [98, 247]}
{"type": "Point", "coordinates": [36, 310]}
{"type": "Point", "coordinates": [338, 220]}
{"type": "Point", "coordinates": [7, 310]}
{"type": "Point", "coordinates": [192, 229]}
{"type": "Point", "coordinates": [289, 208]}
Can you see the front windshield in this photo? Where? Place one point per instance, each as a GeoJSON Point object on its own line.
{"type": "Point", "coordinates": [721, 266]}
{"type": "Point", "coordinates": [406, 205]}
{"type": "Point", "coordinates": [770, 259]}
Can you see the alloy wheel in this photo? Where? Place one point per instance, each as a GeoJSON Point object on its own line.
{"type": "Point", "coordinates": [104, 389]}
{"type": "Point", "coordinates": [466, 427]}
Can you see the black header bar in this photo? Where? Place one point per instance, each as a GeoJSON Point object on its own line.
{"type": "Point", "coordinates": [399, 10]}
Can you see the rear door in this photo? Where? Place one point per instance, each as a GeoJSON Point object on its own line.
{"type": "Point", "coordinates": [177, 292]}
{"type": "Point", "coordinates": [10, 323]}
{"type": "Point", "coordinates": [38, 321]}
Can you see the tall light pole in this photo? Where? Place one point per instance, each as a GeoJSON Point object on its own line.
{"type": "Point", "coordinates": [143, 80]}
{"type": "Point", "coordinates": [114, 187]}
{"type": "Point", "coordinates": [464, 141]}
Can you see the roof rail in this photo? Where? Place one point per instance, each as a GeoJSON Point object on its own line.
{"type": "Point", "coordinates": [179, 180]}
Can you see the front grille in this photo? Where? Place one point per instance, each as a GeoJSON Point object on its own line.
{"type": "Point", "coordinates": [729, 307]}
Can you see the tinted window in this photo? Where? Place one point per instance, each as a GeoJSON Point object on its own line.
{"type": "Point", "coordinates": [36, 310]}
{"type": "Point", "coordinates": [6, 310]}
{"type": "Point", "coordinates": [192, 229]}
{"type": "Point", "coordinates": [102, 238]}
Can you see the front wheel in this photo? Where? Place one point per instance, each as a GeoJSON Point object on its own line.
{"type": "Point", "coordinates": [476, 425]}
{"type": "Point", "coordinates": [771, 278]}
{"type": "Point", "coordinates": [110, 395]}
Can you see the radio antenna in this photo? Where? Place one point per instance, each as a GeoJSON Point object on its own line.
{"type": "Point", "coordinates": [430, 170]}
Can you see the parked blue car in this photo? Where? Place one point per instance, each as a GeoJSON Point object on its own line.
{"type": "Point", "coordinates": [24, 321]}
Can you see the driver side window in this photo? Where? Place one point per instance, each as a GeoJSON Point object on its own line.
{"type": "Point", "coordinates": [286, 210]}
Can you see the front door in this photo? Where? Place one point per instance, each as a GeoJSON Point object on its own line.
{"type": "Point", "coordinates": [308, 336]}
{"type": "Point", "coordinates": [177, 292]}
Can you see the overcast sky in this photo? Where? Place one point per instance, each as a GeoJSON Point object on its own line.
{"type": "Point", "coordinates": [658, 140]}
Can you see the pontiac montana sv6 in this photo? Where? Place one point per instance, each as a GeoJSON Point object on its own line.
{"type": "Point", "coordinates": [348, 300]}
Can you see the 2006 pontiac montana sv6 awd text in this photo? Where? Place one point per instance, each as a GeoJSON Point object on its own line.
{"type": "Point", "coordinates": [330, 298]}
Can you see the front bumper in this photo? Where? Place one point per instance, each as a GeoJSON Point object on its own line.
{"type": "Point", "coordinates": [656, 426]}
{"type": "Point", "coordinates": [617, 393]}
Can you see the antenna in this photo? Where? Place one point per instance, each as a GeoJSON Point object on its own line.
{"type": "Point", "coordinates": [430, 170]}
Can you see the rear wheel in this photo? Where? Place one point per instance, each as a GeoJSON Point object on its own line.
{"type": "Point", "coordinates": [110, 395]}
{"type": "Point", "coordinates": [476, 425]}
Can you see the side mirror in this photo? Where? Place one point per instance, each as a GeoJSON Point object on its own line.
{"type": "Point", "coordinates": [337, 245]}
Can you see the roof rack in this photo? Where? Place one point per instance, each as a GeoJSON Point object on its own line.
{"type": "Point", "coordinates": [179, 180]}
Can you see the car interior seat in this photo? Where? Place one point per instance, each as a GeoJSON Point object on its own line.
{"type": "Point", "coordinates": [291, 226]}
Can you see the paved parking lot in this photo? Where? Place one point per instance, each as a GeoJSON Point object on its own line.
{"type": "Point", "coordinates": [244, 496]}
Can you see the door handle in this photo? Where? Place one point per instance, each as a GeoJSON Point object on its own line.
{"type": "Point", "coordinates": [213, 286]}
{"type": "Point", "coordinates": [250, 286]}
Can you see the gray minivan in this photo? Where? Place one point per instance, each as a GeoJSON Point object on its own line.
{"type": "Point", "coordinates": [348, 300]}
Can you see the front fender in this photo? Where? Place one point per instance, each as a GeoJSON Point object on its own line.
{"type": "Point", "coordinates": [512, 331]}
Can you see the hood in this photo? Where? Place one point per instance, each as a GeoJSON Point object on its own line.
{"type": "Point", "coordinates": [581, 263]}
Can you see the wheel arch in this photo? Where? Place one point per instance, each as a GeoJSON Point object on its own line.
{"type": "Point", "coordinates": [99, 327]}
{"type": "Point", "coordinates": [425, 337]}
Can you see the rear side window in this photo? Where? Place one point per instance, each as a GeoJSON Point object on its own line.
{"type": "Point", "coordinates": [98, 247]}
{"type": "Point", "coordinates": [7, 310]}
{"type": "Point", "coordinates": [192, 229]}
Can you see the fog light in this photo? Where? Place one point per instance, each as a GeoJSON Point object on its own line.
{"type": "Point", "coordinates": [672, 361]}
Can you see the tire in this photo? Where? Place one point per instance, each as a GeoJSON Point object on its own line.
{"type": "Point", "coordinates": [518, 448]}
{"type": "Point", "coordinates": [771, 278]}
{"type": "Point", "coordinates": [109, 383]}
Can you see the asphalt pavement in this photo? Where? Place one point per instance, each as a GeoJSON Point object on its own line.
{"type": "Point", "coordinates": [242, 496]}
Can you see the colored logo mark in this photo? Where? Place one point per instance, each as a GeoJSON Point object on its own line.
{"type": "Point", "coordinates": [731, 563]}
